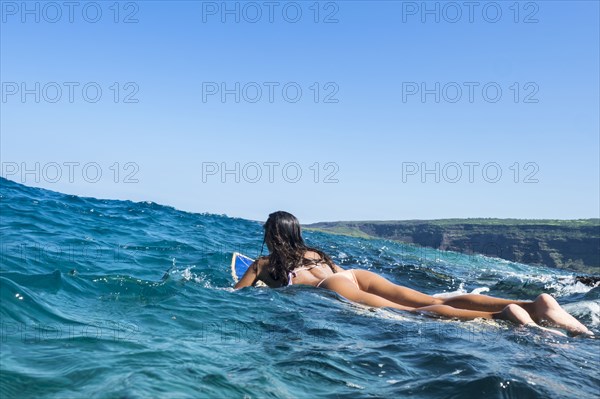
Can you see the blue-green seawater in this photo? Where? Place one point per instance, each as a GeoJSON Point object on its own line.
{"type": "Point", "coordinates": [117, 299]}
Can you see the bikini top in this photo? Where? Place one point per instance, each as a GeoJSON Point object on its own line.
{"type": "Point", "coordinates": [315, 263]}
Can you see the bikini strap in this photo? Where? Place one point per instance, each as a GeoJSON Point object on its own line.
{"type": "Point", "coordinates": [314, 262]}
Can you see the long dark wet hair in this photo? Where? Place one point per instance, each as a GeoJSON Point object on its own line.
{"type": "Point", "coordinates": [283, 236]}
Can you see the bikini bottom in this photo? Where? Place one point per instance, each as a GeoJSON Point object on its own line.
{"type": "Point", "coordinates": [349, 274]}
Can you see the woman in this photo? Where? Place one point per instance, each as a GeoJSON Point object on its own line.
{"type": "Point", "coordinates": [292, 262]}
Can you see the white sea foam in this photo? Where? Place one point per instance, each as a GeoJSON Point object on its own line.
{"type": "Point", "coordinates": [560, 285]}
{"type": "Point", "coordinates": [353, 385]}
{"type": "Point", "coordinates": [568, 286]}
{"type": "Point", "coordinates": [461, 291]}
{"type": "Point", "coordinates": [585, 309]}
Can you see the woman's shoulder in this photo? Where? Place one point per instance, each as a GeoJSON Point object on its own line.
{"type": "Point", "coordinates": [261, 262]}
{"type": "Point", "coordinates": [262, 272]}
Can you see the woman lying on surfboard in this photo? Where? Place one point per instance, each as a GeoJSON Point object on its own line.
{"type": "Point", "coordinates": [292, 262]}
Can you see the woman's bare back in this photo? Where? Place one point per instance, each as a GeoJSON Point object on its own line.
{"type": "Point", "coordinates": [311, 276]}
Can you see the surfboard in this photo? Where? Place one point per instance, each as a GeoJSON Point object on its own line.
{"type": "Point", "coordinates": [239, 264]}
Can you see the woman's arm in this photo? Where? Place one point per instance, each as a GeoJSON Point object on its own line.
{"type": "Point", "coordinates": [250, 277]}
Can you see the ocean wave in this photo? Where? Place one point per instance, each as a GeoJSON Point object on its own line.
{"type": "Point", "coordinates": [136, 299]}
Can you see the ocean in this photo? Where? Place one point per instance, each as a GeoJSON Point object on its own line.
{"type": "Point", "coordinates": [121, 299]}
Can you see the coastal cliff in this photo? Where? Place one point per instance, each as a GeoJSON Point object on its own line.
{"type": "Point", "coordinates": [566, 244]}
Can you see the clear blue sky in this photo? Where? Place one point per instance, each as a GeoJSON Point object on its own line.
{"type": "Point", "coordinates": [368, 126]}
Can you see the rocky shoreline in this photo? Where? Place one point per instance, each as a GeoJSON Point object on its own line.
{"type": "Point", "coordinates": [567, 244]}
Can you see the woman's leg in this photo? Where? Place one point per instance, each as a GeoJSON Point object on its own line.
{"type": "Point", "coordinates": [378, 285]}
{"type": "Point", "coordinates": [481, 302]}
{"type": "Point", "coordinates": [450, 312]}
{"type": "Point", "coordinates": [348, 290]}
{"type": "Point", "coordinates": [544, 308]}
